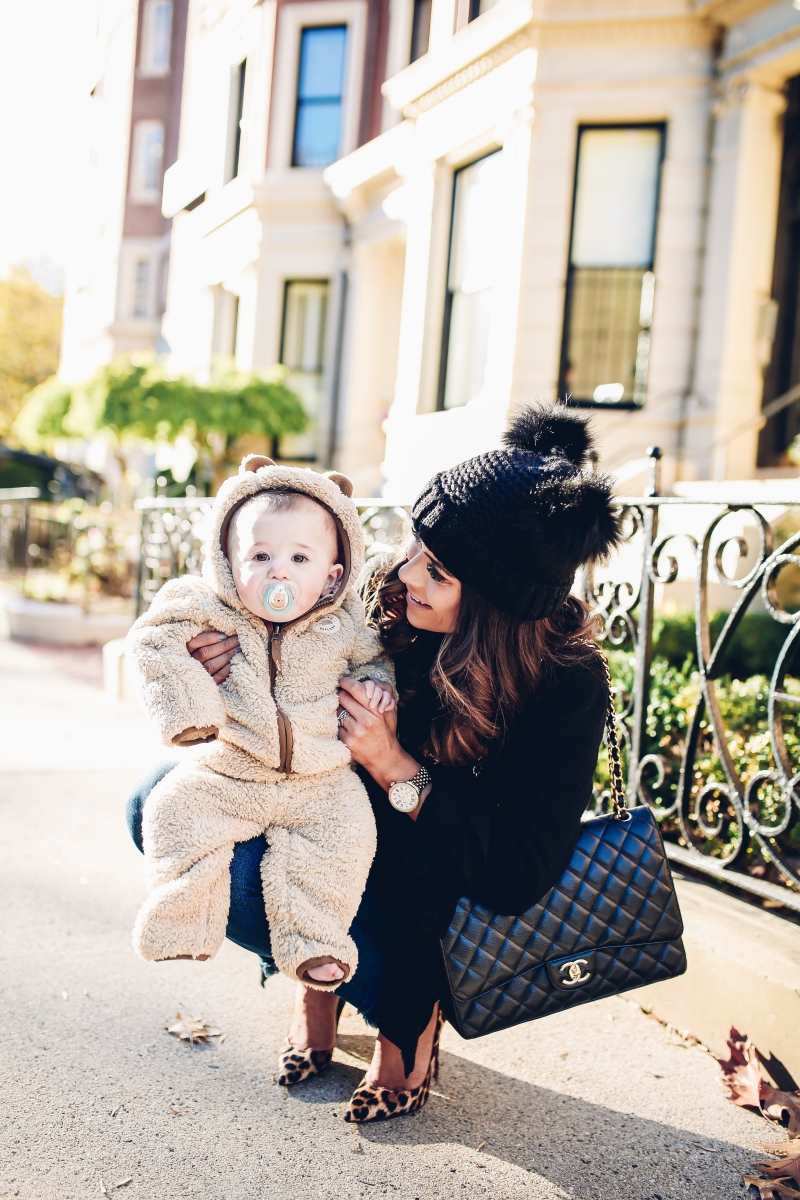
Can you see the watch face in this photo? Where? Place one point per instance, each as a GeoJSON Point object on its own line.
{"type": "Point", "coordinates": [403, 797]}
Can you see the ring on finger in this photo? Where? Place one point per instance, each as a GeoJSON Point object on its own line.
{"type": "Point", "coordinates": [343, 715]}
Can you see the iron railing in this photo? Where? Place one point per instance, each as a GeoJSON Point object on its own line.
{"type": "Point", "coordinates": [53, 550]}
{"type": "Point", "coordinates": [718, 819]}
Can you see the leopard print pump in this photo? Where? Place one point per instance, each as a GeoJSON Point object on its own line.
{"type": "Point", "coordinates": [372, 1103]}
{"type": "Point", "coordinates": [296, 1064]}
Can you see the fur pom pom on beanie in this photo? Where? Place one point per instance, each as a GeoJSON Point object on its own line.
{"type": "Point", "coordinates": [515, 524]}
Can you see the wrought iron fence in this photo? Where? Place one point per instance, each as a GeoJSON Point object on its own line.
{"type": "Point", "coordinates": [720, 816]}
{"type": "Point", "coordinates": [69, 550]}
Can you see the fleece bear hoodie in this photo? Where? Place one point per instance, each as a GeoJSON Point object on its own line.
{"type": "Point", "coordinates": [267, 757]}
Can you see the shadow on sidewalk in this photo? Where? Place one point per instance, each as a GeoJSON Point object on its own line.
{"type": "Point", "coordinates": [589, 1149]}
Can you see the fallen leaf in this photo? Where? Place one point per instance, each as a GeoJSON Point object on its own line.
{"type": "Point", "coordinates": [787, 1166]}
{"type": "Point", "coordinates": [789, 1149]}
{"type": "Point", "coordinates": [746, 1087]}
{"type": "Point", "coordinates": [770, 1189]}
{"type": "Point", "coordinates": [742, 1072]}
{"type": "Point", "coordinates": [192, 1029]}
{"type": "Point", "coordinates": [782, 1107]}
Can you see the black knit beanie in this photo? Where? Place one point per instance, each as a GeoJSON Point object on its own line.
{"type": "Point", "coordinates": [515, 524]}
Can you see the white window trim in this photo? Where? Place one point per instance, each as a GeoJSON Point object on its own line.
{"type": "Point", "coordinates": [145, 70]}
{"type": "Point", "coordinates": [139, 194]}
{"type": "Point", "coordinates": [133, 249]}
{"type": "Point", "coordinates": [292, 20]}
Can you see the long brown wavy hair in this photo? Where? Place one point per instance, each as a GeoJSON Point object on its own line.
{"type": "Point", "coordinates": [483, 672]}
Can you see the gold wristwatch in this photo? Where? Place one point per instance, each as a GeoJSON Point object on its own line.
{"type": "Point", "coordinates": [404, 795]}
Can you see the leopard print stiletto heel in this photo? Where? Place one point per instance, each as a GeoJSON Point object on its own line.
{"type": "Point", "coordinates": [296, 1064]}
{"type": "Point", "coordinates": [370, 1102]}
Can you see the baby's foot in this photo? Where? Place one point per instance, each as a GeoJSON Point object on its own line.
{"type": "Point", "coordinates": [326, 973]}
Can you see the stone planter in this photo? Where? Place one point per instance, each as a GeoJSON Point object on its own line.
{"type": "Point", "coordinates": [65, 624]}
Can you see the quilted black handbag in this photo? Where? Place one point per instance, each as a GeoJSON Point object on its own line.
{"type": "Point", "coordinates": [611, 923]}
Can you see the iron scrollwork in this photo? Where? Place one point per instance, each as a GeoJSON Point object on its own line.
{"type": "Point", "coordinates": [173, 534]}
{"type": "Point", "coordinates": [719, 815]}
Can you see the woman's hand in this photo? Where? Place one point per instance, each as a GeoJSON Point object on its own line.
{"type": "Point", "coordinates": [214, 651]}
{"type": "Point", "coordinates": [371, 738]}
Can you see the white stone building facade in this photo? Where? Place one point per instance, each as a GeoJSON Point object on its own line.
{"type": "Point", "coordinates": [113, 305]}
{"type": "Point", "coordinates": [668, 315]}
{"type": "Point", "coordinates": [431, 211]}
{"type": "Point", "coordinates": [259, 272]}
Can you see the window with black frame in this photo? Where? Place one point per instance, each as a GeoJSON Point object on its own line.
{"type": "Point", "coordinates": [303, 335]}
{"type": "Point", "coordinates": [420, 29]}
{"type": "Point", "coordinates": [320, 96]}
{"type": "Point", "coordinates": [476, 236]}
{"type": "Point", "coordinates": [610, 291]}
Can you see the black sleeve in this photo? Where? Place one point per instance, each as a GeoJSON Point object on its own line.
{"type": "Point", "coordinates": [504, 836]}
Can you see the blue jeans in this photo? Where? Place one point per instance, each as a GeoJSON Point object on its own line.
{"type": "Point", "coordinates": [375, 930]}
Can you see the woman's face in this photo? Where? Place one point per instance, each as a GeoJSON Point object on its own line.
{"type": "Point", "coordinates": [433, 595]}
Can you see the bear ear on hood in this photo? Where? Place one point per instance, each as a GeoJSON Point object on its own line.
{"type": "Point", "coordinates": [254, 462]}
{"type": "Point", "coordinates": [344, 484]}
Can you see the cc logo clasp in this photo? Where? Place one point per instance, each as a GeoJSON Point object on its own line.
{"type": "Point", "coordinates": [573, 973]}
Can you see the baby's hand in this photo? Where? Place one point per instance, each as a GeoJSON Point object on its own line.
{"type": "Point", "coordinates": [380, 697]}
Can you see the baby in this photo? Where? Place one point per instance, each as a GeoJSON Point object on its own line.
{"type": "Point", "coordinates": [284, 550]}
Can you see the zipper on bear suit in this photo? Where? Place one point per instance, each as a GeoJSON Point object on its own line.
{"type": "Point", "coordinates": [285, 735]}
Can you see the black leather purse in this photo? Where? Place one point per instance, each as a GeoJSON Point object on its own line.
{"type": "Point", "coordinates": [611, 923]}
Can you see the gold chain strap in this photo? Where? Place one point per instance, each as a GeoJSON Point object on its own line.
{"type": "Point", "coordinates": [618, 801]}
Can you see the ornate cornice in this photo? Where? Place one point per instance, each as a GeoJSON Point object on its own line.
{"type": "Point", "coordinates": [462, 79]}
{"type": "Point", "coordinates": [728, 12]}
{"type": "Point", "coordinates": [686, 30]}
{"type": "Point", "coordinates": [757, 48]}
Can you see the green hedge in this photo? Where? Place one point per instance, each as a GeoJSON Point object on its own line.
{"type": "Point", "coordinates": [753, 650]}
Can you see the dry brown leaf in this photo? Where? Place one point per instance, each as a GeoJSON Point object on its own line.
{"type": "Point", "coordinates": [742, 1072]}
{"type": "Point", "coordinates": [770, 1189]}
{"type": "Point", "coordinates": [788, 1149]}
{"type": "Point", "coordinates": [742, 1077]}
{"type": "Point", "coordinates": [192, 1029]}
{"type": "Point", "coordinates": [781, 1107]}
{"type": "Point", "coordinates": [787, 1166]}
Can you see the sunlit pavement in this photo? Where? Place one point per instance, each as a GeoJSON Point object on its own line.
{"type": "Point", "coordinates": [601, 1102]}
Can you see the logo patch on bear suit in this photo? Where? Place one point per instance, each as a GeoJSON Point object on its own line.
{"type": "Point", "coordinates": [330, 624]}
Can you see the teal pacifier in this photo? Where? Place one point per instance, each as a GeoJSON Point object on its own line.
{"type": "Point", "coordinates": [278, 599]}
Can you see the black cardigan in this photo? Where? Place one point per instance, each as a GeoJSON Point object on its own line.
{"type": "Point", "coordinates": [501, 833]}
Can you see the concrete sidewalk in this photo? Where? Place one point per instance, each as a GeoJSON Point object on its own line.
{"type": "Point", "coordinates": [601, 1102]}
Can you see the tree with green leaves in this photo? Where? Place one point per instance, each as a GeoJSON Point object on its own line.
{"type": "Point", "coordinates": [135, 399]}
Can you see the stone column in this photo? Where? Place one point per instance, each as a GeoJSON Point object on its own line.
{"type": "Point", "coordinates": [745, 166]}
